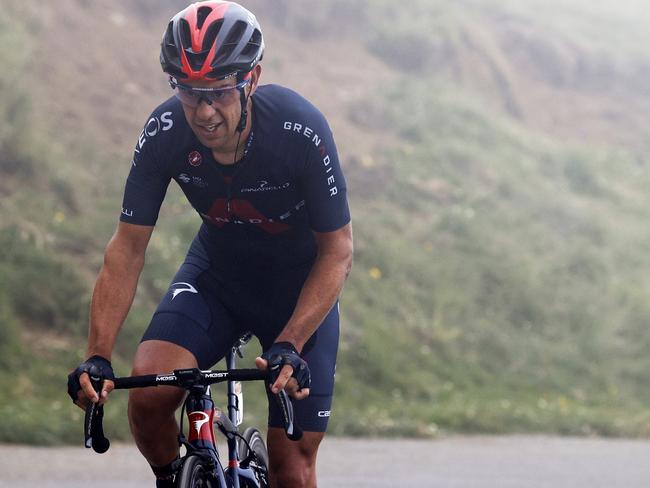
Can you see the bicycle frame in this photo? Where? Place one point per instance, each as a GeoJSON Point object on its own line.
{"type": "Point", "coordinates": [201, 414]}
{"type": "Point", "coordinates": [202, 417]}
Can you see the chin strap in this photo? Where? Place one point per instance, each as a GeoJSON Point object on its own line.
{"type": "Point", "coordinates": [244, 110]}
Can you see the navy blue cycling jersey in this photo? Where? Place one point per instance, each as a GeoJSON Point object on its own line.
{"type": "Point", "coordinates": [262, 213]}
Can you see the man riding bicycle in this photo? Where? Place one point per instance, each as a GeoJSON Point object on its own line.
{"type": "Point", "coordinates": [259, 165]}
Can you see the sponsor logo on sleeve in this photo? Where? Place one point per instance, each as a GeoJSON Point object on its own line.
{"type": "Point", "coordinates": [318, 143]}
{"type": "Point", "coordinates": [153, 127]}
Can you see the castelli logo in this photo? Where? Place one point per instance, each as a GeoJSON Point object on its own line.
{"type": "Point", "coordinates": [195, 158]}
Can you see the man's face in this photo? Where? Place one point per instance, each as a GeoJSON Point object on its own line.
{"type": "Point", "coordinates": [215, 124]}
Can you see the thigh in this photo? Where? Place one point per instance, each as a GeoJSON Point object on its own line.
{"type": "Point", "coordinates": [312, 414]}
{"type": "Point", "coordinates": [153, 357]}
{"type": "Point", "coordinates": [191, 316]}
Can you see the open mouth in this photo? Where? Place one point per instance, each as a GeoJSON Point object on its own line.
{"type": "Point", "coordinates": [209, 129]}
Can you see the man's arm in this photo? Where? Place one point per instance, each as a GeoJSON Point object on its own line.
{"type": "Point", "coordinates": [322, 287]}
{"type": "Point", "coordinates": [319, 293]}
{"type": "Point", "coordinates": [114, 293]}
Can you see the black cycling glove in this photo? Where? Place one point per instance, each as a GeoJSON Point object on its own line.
{"type": "Point", "coordinates": [97, 367]}
{"type": "Point", "coordinates": [281, 353]}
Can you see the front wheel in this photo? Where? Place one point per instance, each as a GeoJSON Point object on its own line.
{"type": "Point", "coordinates": [259, 461]}
{"type": "Point", "coordinates": [195, 473]}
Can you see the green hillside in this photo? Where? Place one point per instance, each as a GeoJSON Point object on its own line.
{"type": "Point", "coordinates": [496, 159]}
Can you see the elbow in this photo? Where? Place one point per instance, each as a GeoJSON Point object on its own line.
{"type": "Point", "coordinates": [349, 258]}
{"type": "Point", "coordinates": [336, 250]}
{"type": "Point", "coordinates": [120, 258]}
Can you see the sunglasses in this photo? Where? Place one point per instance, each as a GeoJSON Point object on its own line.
{"type": "Point", "coordinates": [192, 96]}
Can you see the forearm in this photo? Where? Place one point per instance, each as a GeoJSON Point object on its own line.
{"type": "Point", "coordinates": [112, 299]}
{"type": "Point", "coordinates": [318, 295]}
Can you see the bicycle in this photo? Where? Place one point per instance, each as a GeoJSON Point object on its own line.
{"type": "Point", "coordinates": [200, 466]}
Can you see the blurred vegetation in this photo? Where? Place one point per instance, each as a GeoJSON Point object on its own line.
{"type": "Point", "coordinates": [500, 280]}
{"type": "Point", "coordinates": [514, 305]}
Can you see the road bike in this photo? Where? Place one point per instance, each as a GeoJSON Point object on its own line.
{"type": "Point", "coordinates": [200, 466]}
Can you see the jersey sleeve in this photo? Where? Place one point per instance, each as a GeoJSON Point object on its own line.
{"type": "Point", "coordinates": [146, 185]}
{"type": "Point", "coordinates": [323, 182]}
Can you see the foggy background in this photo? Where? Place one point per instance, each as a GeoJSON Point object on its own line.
{"type": "Point", "coordinates": [496, 158]}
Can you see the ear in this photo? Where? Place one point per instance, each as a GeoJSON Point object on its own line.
{"type": "Point", "coordinates": [255, 78]}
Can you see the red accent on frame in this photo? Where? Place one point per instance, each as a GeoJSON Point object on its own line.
{"type": "Point", "coordinates": [200, 427]}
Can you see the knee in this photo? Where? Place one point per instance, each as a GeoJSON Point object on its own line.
{"type": "Point", "coordinates": [293, 464]}
{"type": "Point", "coordinates": [151, 405]}
{"type": "Point", "coordinates": [296, 472]}
{"type": "Point", "coordinates": [293, 478]}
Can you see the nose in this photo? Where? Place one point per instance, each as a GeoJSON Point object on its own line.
{"type": "Point", "coordinates": [205, 111]}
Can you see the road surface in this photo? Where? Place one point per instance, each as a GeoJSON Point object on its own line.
{"type": "Point", "coordinates": [456, 462]}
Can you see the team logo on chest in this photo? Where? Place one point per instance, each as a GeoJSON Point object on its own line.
{"type": "Point", "coordinates": [238, 211]}
{"type": "Point", "coordinates": [195, 158]}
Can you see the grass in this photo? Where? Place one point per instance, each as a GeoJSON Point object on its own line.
{"type": "Point", "coordinates": [500, 275]}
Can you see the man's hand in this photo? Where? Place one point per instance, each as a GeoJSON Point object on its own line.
{"type": "Point", "coordinates": [288, 371]}
{"type": "Point", "coordinates": [80, 387]}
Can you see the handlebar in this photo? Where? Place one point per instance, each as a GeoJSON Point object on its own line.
{"type": "Point", "coordinates": [182, 378]}
{"type": "Point", "coordinates": [186, 378]}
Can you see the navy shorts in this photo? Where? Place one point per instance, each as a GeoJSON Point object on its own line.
{"type": "Point", "coordinates": [205, 313]}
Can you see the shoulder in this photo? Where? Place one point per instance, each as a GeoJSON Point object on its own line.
{"type": "Point", "coordinates": [165, 117]}
{"type": "Point", "coordinates": [285, 105]}
{"type": "Point", "coordinates": [289, 116]}
{"type": "Point", "coordinates": [163, 129]}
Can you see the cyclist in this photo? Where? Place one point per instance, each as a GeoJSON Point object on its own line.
{"type": "Point", "coordinates": [259, 165]}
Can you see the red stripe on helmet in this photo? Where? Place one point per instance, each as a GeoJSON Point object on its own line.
{"type": "Point", "coordinates": [198, 36]}
{"type": "Point", "coordinates": [205, 70]}
{"type": "Point", "coordinates": [191, 16]}
{"type": "Point", "coordinates": [218, 12]}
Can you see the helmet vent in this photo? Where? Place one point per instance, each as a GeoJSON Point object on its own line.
{"type": "Point", "coordinates": [168, 42]}
{"type": "Point", "coordinates": [234, 36]}
{"type": "Point", "coordinates": [211, 34]}
{"type": "Point", "coordinates": [253, 44]}
{"type": "Point", "coordinates": [202, 14]}
{"type": "Point", "coordinates": [195, 59]}
{"type": "Point", "coordinates": [186, 36]}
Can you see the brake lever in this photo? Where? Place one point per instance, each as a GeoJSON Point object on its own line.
{"type": "Point", "coordinates": [293, 431]}
{"type": "Point", "coordinates": [93, 429]}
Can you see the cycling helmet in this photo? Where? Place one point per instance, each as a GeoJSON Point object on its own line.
{"type": "Point", "coordinates": [211, 40]}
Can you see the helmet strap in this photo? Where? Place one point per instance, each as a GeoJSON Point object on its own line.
{"type": "Point", "coordinates": [244, 110]}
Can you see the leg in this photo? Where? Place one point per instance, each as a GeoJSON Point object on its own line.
{"type": "Point", "coordinates": [293, 464]}
{"type": "Point", "coordinates": [189, 329]}
{"type": "Point", "coordinates": [152, 410]}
